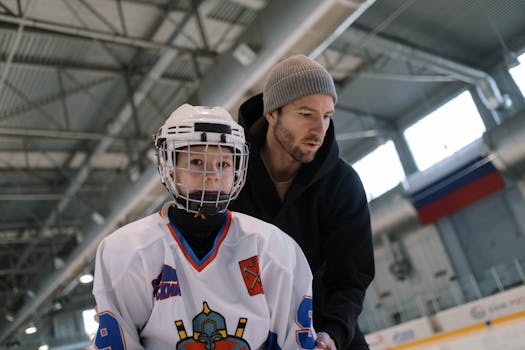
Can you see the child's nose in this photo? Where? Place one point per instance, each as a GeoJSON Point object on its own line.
{"type": "Point", "coordinates": [212, 170]}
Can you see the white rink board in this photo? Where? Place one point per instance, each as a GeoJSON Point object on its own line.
{"type": "Point", "coordinates": [483, 310]}
{"type": "Point", "coordinates": [403, 333]}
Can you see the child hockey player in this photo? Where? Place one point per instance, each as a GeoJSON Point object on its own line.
{"type": "Point", "coordinates": [196, 275]}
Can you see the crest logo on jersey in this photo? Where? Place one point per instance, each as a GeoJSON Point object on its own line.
{"type": "Point", "coordinates": [166, 285]}
{"type": "Point", "coordinates": [210, 333]}
{"type": "Point", "coordinates": [251, 275]}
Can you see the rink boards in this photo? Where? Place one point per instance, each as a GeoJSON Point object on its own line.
{"type": "Point", "coordinates": [491, 323]}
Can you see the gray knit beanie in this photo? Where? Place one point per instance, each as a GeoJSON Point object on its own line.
{"type": "Point", "coordinates": [293, 78]}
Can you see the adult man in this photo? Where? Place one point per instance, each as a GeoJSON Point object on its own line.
{"type": "Point", "coordinates": [297, 181]}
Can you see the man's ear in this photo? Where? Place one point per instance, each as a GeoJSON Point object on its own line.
{"type": "Point", "coordinates": [271, 117]}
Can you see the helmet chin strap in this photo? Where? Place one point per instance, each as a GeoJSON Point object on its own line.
{"type": "Point", "coordinates": [211, 204]}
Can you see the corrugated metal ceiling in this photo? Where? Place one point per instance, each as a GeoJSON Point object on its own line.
{"type": "Point", "coordinates": [66, 83]}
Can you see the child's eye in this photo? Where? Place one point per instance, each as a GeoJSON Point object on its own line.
{"type": "Point", "coordinates": [224, 165]}
{"type": "Point", "coordinates": [196, 162]}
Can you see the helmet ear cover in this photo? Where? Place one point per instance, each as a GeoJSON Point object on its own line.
{"type": "Point", "coordinates": [201, 126]}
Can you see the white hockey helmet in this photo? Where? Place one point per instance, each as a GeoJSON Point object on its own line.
{"type": "Point", "coordinates": [200, 126]}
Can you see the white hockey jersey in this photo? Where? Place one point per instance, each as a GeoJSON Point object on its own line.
{"type": "Point", "coordinates": [251, 291]}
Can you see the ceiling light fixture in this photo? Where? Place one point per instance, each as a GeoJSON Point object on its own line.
{"type": "Point", "coordinates": [31, 328]}
{"type": "Point", "coordinates": [86, 278]}
{"type": "Point", "coordinates": [245, 54]}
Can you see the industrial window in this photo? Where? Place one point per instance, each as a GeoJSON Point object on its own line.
{"type": "Point", "coordinates": [518, 74]}
{"type": "Point", "coordinates": [444, 131]}
{"type": "Point", "coordinates": [380, 170]}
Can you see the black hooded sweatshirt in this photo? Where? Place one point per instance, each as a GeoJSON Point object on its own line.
{"type": "Point", "coordinates": [325, 210]}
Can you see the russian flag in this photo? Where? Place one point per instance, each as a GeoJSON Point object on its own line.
{"type": "Point", "coordinates": [472, 181]}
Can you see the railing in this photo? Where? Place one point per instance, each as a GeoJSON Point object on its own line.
{"type": "Point", "coordinates": [463, 289]}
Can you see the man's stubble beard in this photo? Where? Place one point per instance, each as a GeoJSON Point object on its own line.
{"type": "Point", "coordinates": [285, 138]}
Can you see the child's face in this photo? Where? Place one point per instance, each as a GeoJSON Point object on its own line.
{"type": "Point", "coordinates": [204, 169]}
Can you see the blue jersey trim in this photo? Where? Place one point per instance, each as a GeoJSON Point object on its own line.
{"type": "Point", "coordinates": [271, 341]}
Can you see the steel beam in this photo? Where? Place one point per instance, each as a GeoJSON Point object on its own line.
{"type": "Point", "coordinates": [485, 84]}
{"type": "Point", "coordinates": [13, 49]}
{"type": "Point", "coordinates": [49, 99]}
{"type": "Point", "coordinates": [88, 34]}
{"type": "Point", "coordinates": [59, 134]}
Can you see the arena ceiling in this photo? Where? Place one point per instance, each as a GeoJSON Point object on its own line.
{"type": "Point", "coordinates": [85, 83]}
